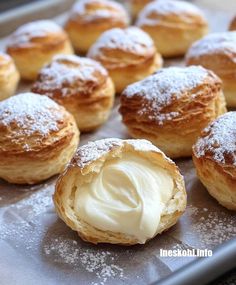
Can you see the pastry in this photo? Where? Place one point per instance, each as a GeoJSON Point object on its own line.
{"type": "Point", "coordinates": [81, 85]}
{"type": "Point", "coordinates": [34, 44]}
{"type": "Point", "coordinates": [232, 26]}
{"type": "Point", "coordinates": [128, 54]}
{"type": "Point", "coordinates": [9, 76]}
{"type": "Point", "coordinates": [218, 52]}
{"type": "Point", "coordinates": [120, 191]}
{"type": "Point", "coordinates": [88, 19]}
{"type": "Point", "coordinates": [135, 6]}
{"type": "Point", "coordinates": [214, 156]}
{"type": "Point", "coordinates": [171, 107]}
{"type": "Point", "coordinates": [37, 138]}
{"type": "Point", "coordinates": [173, 25]}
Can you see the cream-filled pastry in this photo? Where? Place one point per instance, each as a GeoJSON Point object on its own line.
{"type": "Point", "coordinates": [120, 191]}
{"type": "Point", "coordinates": [128, 54]}
{"type": "Point", "coordinates": [9, 76]}
{"type": "Point", "coordinates": [34, 44]}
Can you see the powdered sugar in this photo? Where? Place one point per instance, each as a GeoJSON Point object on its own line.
{"type": "Point", "coordinates": [223, 43]}
{"type": "Point", "coordinates": [132, 40]}
{"type": "Point", "coordinates": [68, 75]}
{"type": "Point", "coordinates": [33, 30]}
{"type": "Point", "coordinates": [219, 140]}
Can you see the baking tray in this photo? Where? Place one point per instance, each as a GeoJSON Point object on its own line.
{"type": "Point", "coordinates": [36, 247]}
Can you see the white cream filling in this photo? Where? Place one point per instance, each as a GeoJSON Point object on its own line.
{"type": "Point", "coordinates": [127, 196]}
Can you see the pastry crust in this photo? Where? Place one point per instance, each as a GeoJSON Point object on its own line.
{"type": "Point", "coordinates": [135, 6]}
{"type": "Point", "coordinates": [217, 52]}
{"type": "Point", "coordinates": [9, 76]}
{"type": "Point", "coordinates": [37, 138]}
{"type": "Point", "coordinates": [81, 85]}
{"type": "Point", "coordinates": [173, 25]}
{"type": "Point", "coordinates": [171, 107]}
{"type": "Point", "coordinates": [214, 156]}
{"type": "Point", "coordinates": [34, 44]}
{"type": "Point", "coordinates": [88, 19]}
{"type": "Point", "coordinates": [232, 26]}
{"type": "Point", "coordinates": [129, 55]}
{"type": "Point", "coordinates": [89, 160]}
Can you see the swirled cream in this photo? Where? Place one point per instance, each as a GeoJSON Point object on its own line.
{"type": "Point", "coordinates": [127, 196]}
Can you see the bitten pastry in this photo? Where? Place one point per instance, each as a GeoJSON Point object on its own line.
{"type": "Point", "coordinates": [135, 6]}
{"type": "Point", "coordinates": [232, 26]}
{"type": "Point", "coordinates": [173, 25]}
{"type": "Point", "coordinates": [37, 138]}
{"type": "Point", "coordinates": [9, 76]}
{"type": "Point", "coordinates": [171, 107]}
{"type": "Point", "coordinates": [81, 85]}
{"type": "Point", "coordinates": [129, 55]}
{"type": "Point", "coordinates": [120, 191]}
{"type": "Point", "coordinates": [88, 19]}
{"type": "Point", "coordinates": [218, 52]}
{"type": "Point", "coordinates": [34, 44]}
{"type": "Point", "coordinates": [214, 156]}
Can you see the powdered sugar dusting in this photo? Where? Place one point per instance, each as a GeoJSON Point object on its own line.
{"type": "Point", "coordinates": [219, 140]}
{"type": "Point", "coordinates": [69, 75]}
{"type": "Point", "coordinates": [213, 44]}
{"type": "Point", "coordinates": [33, 30]}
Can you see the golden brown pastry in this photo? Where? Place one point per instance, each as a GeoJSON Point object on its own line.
{"type": "Point", "coordinates": [171, 107]}
{"type": "Point", "coordinates": [37, 138]}
{"type": "Point", "coordinates": [9, 76]}
{"type": "Point", "coordinates": [135, 6]}
{"type": "Point", "coordinates": [120, 191]}
{"type": "Point", "coordinates": [218, 52]}
{"type": "Point", "coordinates": [81, 85]}
{"type": "Point", "coordinates": [88, 19]}
{"type": "Point", "coordinates": [214, 156]}
{"type": "Point", "coordinates": [232, 26]}
{"type": "Point", "coordinates": [173, 25]}
{"type": "Point", "coordinates": [34, 44]}
{"type": "Point", "coordinates": [128, 54]}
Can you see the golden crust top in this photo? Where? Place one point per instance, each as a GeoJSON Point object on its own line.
{"type": "Point", "coordinates": [29, 123]}
{"type": "Point", "coordinates": [232, 26]}
{"type": "Point", "coordinates": [218, 142]}
{"type": "Point", "coordinates": [119, 48]}
{"type": "Point", "coordinates": [163, 97]}
{"type": "Point", "coordinates": [70, 75]}
{"type": "Point", "coordinates": [96, 12]}
{"type": "Point", "coordinates": [171, 13]}
{"type": "Point", "coordinates": [41, 33]}
{"type": "Point", "coordinates": [215, 51]}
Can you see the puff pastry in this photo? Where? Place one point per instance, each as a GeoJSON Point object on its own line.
{"type": "Point", "coordinates": [173, 25]}
{"type": "Point", "coordinates": [218, 52]}
{"type": "Point", "coordinates": [81, 85]}
{"type": "Point", "coordinates": [120, 191]}
{"type": "Point", "coordinates": [171, 107]}
{"type": "Point", "coordinates": [9, 76]}
{"type": "Point", "coordinates": [34, 44]}
{"type": "Point", "coordinates": [37, 138]}
{"type": "Point", "coordinates": [88, 19]}
{"type": "Point", "coordinates": [128, 54]}
{"type": "Point", "coordinates": [135, 6]}
{"type": "Point", "coordinates": [232, 26]}
{"type": "Point", "coordinates": [214, 156]}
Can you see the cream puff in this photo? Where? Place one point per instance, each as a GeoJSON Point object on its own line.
{"type": "Point", "coordinates": [135, 6]}
{"type": "Point", "coordinates": [9, 76]}
{"type": "Point", "coordinates": [173, 25]}
{"type": "Point", "coordinates": [171, 107]}
{"type": "Point", "coordinates": [120, 191]}
{"type": "Point", "coordinates": [81, 85]}
{"type": "Point", "coordinates": [214, 156]}
{"type": "Point", "coordinates": [34, 44]}
{"type": "Point", "coordinates": [88, 19]}
{"type": "Point", "coordinates": [37, 138]}
{"type": "Point", "coordinates": [217, 52]}
{"type": "Point", "coordinates": [128, 54]}
{"type": "Point", "coordinates": [232, 26]}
